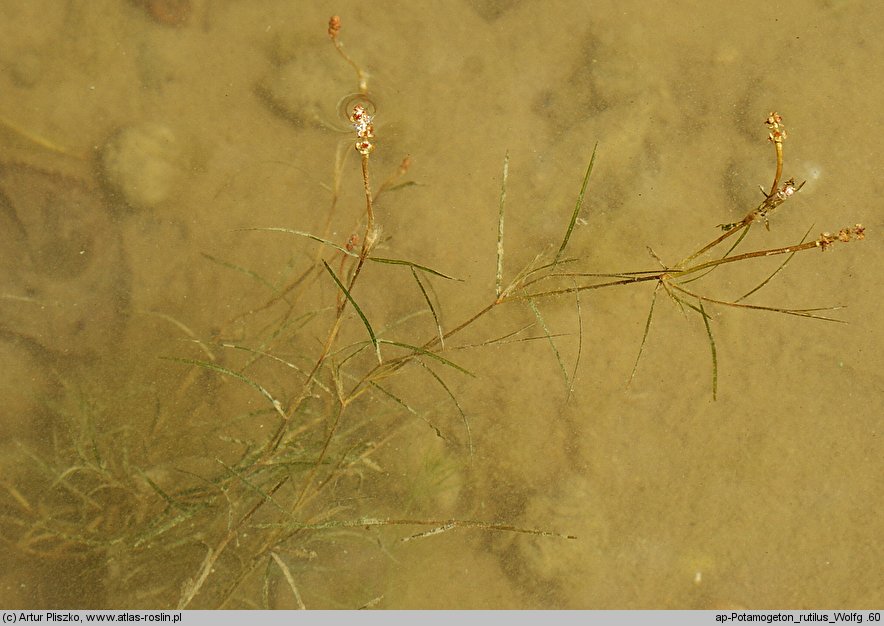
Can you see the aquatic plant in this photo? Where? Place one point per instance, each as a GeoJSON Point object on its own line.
{"type": "Point", "coordinates": [243, 520]}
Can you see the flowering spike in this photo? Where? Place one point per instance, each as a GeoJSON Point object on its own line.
{"type": "Point", "coordinates": [361, 121]}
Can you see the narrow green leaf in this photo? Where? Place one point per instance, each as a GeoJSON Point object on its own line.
{"type": "Point", "coordinates": [422, 268]}
{"type": "Point", "coordinates": [579, 203]}
{"type": "Point", "coordinates": [712, 347]}
{"type": "Point", "coordinates": [466, 422]}
{"type": "Point", "coordinates": [552, 343]}
{"type": "Point", "coordinates": [199, 342]}
{"type": "Point", "coordinates": [237, 268]}
{"type": "Point", "coordinates": [579, 342]}
{"type": "Point", "coordinates": [404, 185]}
{"type": "Point", "coordinates": [775, 272]}
{"type": "Point", "coordinates": [432, 355]}
{"type": "Point", "coordinates": [443, 525]}
{"type": "Point", "coordinates": [223, 370]}
{"type": "Point", "coordinates": [169, 499]}
{"type": "Point", "coordinates": [500, 214]}
{"type": "Point", "coordinates": [727, 254]}
{"type": "Point", "coordinates": [645, 335]}
{"type": "Point", "coordinates": [300, 233]}
{"type": "Point", "coordinates": [408, 408]}
{"type": "Point", "coordinates": [431, 307]}
{"type": "Point", "coordinates": [374, 339]}
{"type": "Point", "coordinates": [159, 525]}
{"type": "Point", "coordinates": [501, 340]}
{"type": "Point", "coordinates": [273, 357]}
{"type": "Point", "coordinates": [261, 492]}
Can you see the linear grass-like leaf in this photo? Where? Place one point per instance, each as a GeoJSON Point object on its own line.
{"type": "Point", "coordinates": [199, 342]}
{"type": "Point", "coordinates": [518, 281]}
{"type": "Point", "coordinates": [289, 579]}
{"type": "Point", "coordinates": [301, 233]}
{"type": "Point", "coordinates": [169, 499]}
{"type": "Point", "coordinates": [775, 272]}
{"type": "Point", "coordinates": [412, 265]}
{"type": "Point", "coordinates": [466, 421]}
{"type": "Point", "coordinates": [809, 313]}
{"type": "Point", "coordinates": [374, 339]}
{"type": "Point", "coordinates": [223, 370]}
{"type": "Point", "coordinates": [158, 526]}
{"type": "Point", "coordinates": [552, 343]}
{"type": "Point", "coordinates": [712, 348]}
{"type": "Point", "coordinates": [432, 355]}
{"type": "Point", "coordinates": [365, 522]}
{"type": "Point", "coordinates": [261, 492]}
{"type": "Point", "coordinates": [273, 357]}
{"type": "Point", "coordinates": [408, 408]}
{"type": "Point", "coordinates": [579, 342]}
{"type": "Point", "coordinates": [242, 270]}
{"type": "Point", "coordinates": [724, 256]}
{"type": "Point", "coordinates": [500, 213]}
{"type": "Point", "coordinates": [431, 307]}
{"type": "Point", "coordinates": [405, 185]}
{"type": "Point", "coordinates": [700, 310]}
{"type": "Point", "coordinates": [503, 342]}
{"type": "Point", "coordinates": [501, 339]}
{"type": "Point", "coordinates": [579, 203]}
{"type": "Point", "coordinates": [641, 346]}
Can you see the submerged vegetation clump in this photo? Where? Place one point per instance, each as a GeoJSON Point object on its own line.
{"type": "Point", "coordinates": [260, 490]}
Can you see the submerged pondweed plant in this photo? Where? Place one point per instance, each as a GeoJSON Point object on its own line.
{"type": "Point", "coordinates": [246, 522]}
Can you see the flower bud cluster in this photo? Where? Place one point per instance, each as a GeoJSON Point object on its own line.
{"type": "Point", "coordinates": [361, 121]}
{"type": "Point", "coordinates": [857, 232]}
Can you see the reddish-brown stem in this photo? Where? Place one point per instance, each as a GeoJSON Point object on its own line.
{"type": "Point", "coordinates": [334, 29]}
{"type": "Point", "coordinates": [778, 145]}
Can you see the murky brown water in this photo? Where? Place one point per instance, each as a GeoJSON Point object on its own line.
{"type": "Point", "coordinates": [133, 151]}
